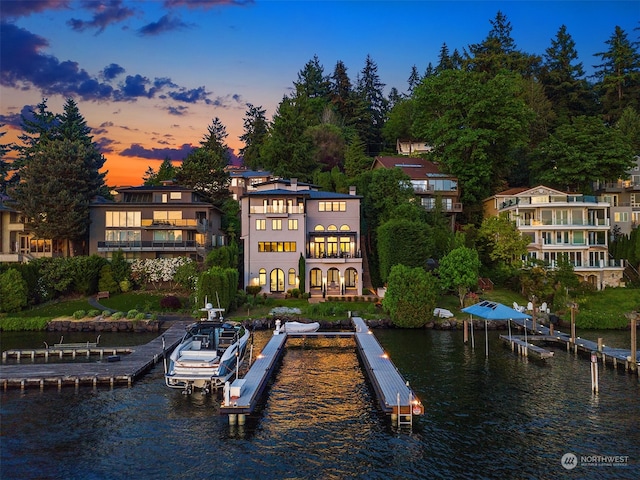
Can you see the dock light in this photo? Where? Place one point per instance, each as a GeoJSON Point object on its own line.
{"type": "Point", "coordinates": [384, 355]}
{"type": "Point", "coordinates": [259, 356]}
{"type": "Point", "coordinates": [370, 332]}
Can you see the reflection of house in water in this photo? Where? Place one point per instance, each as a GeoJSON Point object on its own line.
{"type": "Point", "coordinates": [430, 184]}
{"type": "Point", "coordinates": [283, 220]}
{"type": "Point", "coordinates": [562, 224]}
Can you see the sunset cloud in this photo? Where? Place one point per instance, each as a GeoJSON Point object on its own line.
{"type": "Point", "coordinates": [137, 150]}
{"type": "Point", "coordinates": [104, 14]}
{"type": "Point", "coordinates": [167, 23]}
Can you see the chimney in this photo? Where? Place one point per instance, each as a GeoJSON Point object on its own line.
{"type": "Point", "coordinates": [352, 190]}
{"type": "Point", "coordinates": [294, 184]}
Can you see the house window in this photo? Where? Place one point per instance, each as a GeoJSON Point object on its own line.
{"type": "Point", "coordinates": [276, 246]}
{"type": "Point", "coordinates": [176, 195]}
{"type": "Point", "coordinates": [344, 228]}
{"type": "Point", "coordinates": [293, 224]}
{"type": "Point", "coordinates": [621, 217]}
{"type": "Point", "coordinates": [332, 206]}
{"type": "Point", "coordinates": [292, 277]}
{"type": "Point", "coordinates": [167, 236]}
{"type": "Point", "coordinates": [123, 219]}
{"type": "Point", "coordinates": [261, 224]}
{"type": "Point", "coordinates": [262, 277]}
{"type": "Point", "coordinates": [276, 224]}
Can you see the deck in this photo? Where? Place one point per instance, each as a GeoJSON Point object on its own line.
{"type": "Point", "coordinates": [125, 371]}
{"type": "Point", "coordinates": [615, 356]}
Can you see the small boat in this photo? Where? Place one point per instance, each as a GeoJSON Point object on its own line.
{"type": "Point", "coordinates": [296, 327]}
{"type": "Point", "coordinates": [442, 313]}
{"type": "Point", "coordinates": [208, 354]}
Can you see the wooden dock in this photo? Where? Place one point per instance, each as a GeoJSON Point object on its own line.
{"type": "Point", "coordinates": [125, 371]}
{"type": "Point", "coordinates": [525, 347]}
{"type": "Point", "coordinates": [614, 356]}
{"type": "Point", "coordinates": [394, 395]}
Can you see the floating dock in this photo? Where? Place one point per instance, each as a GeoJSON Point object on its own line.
{"type": "Point", "coordinates": [124, 371]}
{"type": "Point", "coordinates": [393, 393]}
{"type": "Point", "coordinates": [526, 348]}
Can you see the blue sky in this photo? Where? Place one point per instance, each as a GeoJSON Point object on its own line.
{"type": "Point", "coordinates": [150, 76]}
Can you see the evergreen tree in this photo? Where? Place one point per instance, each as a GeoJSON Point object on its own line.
{"type": "Point", "coordinates": [444, 59]}
{"type": "Point", "coordinates": [563, 79]}
{"type": "Point", "coordinates": [255, 131]}
{"type": "Point", "coordinates": [355, 158]}
{"type": "Point", "coordinates": [329, 146]}
{"type": "Point", "coordinates": [312, 91]}
{"type": "Point", "coordinates": [60, 175]}
{"type": "Point", "coordinates": [5, 167]}
{"type": "Point", "coordinates": [288, 151]}
{"type": "Point", "coordinates": [498, 52]}
{"type": "Point", "coordinates": [342, 95]}
{"type": "Point", "coordinates": [166, 171]}
{"type": "Point", "coordinates": [619, 75]}
{"type": "Point", "coordinates": [370, 92]}
{"type": "Point", "coordinates": [413, 80]}
{"type": "Point", "coordinates": [214, 141]}
{"type": "Point", "coordinates": [203, 171]}
{"type": "Point", "coordinates": [629, 127]}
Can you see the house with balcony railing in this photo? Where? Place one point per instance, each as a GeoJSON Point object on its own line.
{"type": "Point", "coordinates": [563, 225]}
{"type": "Point", "coordinates": [288, 226]}
{"type": "Point", "coordinates": [624, 197]}
{"type": "Point", "coordinates": [18, 243]}
{"type": "Point", "coordinates": [432, 186]}
{"type": "Point", "coordinates": [155, 222]}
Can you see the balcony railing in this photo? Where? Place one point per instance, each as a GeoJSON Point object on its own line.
{"type": "Point", "coordinates": [150, 246]}
{"type": "Point", "coordinates": [547, 199]}
{"type": "Point", "coordinates": [357, 254]}
{"type": "Point", "coordinates": [277, 209]}
{"type": "Point", "coordinates": [175, 223]}
{"type": "Point", "coordinates": [599, 222]}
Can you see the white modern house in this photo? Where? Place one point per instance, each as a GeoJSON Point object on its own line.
{"type": "Point", "coordinates": [558, 224]}
{"type": "Point", "coordinates": [288, 226]}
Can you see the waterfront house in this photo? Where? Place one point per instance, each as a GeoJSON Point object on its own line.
{"type": "Point", "coordinates": [288, 226]}
{"type": "Point", "coordinates": [243, 180]}
{"type": "Point", "coordinates": [18, 244]}
{"type": "Point", "coordinates": [558, 223]}
{"type": "Point", "coordinates": [430, 183]}
{"type": "Point", "coordinates": [155, 222]}
{"type": "Point", "coordinates": [624, 198]}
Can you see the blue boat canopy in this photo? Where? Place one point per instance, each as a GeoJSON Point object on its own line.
{"type": "Point", "coordinates": [494, 311]}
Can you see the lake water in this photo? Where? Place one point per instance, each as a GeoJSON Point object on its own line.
{"type": "Point", "coordinates": [502, 417]}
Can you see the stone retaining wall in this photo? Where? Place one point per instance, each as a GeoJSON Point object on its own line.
{"type": "Point", "coordinates": [98, 324]}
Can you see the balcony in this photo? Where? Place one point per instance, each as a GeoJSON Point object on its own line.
{"type": "Point", "coordinates": [276, 210]}
{"type": "Point", "coordinates": [183, 223]}
{"type": "Point", "coordinates": [149, 246]}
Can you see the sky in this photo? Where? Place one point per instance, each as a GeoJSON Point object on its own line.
{"type": "Point", "coordinates": [150, 76]}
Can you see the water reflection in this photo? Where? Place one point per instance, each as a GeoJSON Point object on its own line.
{"type": "Point", "coordinates": [499, 417]}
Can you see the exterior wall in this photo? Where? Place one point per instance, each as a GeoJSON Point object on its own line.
{"type": "Point", "coordinates": [624, 198]}
{"type": "Point", "coordinates": [558, 224]}
{"type": "Point", "coordinates": [293, 202]}
{"type": "Point", "coordinates": [17, 244]}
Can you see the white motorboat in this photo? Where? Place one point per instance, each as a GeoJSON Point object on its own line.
{"type": "Point", "coordinates": [296, 327]}
{"type": "Point", "coordinates": [208, 354]}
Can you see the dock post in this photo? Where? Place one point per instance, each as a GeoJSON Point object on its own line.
{"type": "Point", "coordinates": [634, 364]}
{"type": "Point", "coordinates": [233, 418]}
{"type": "Point", "coordinates": [42, 384]}
{"type": "Point", "coordinates": [465, 336]}
{"type": "Point", "coordinates": [594, 372]}
{"type": "Point", "coordinates": [241, 418]}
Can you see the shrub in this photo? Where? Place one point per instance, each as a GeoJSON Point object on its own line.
{"type": "Point", "coordinates": [170, 302]}
{"type": "Point", "coordinates": [93, 313]}
{"type": "Point", "coordinates": [117, 315]}
{"type": "Point", "coordinates": [132, 313]}
{"type": "Point", "coordinates": [13, 291]}
{"type": "Point", "coordinates": [140, 316]}
{"type": "Point", "coordinates": [78, 314]}
{"type": "Point", "coordinates": [106, 313]}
